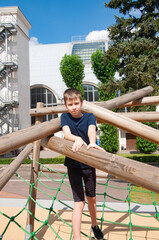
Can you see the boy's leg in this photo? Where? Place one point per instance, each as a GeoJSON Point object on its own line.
{"type": "Point", "coordinates": [92, 209]}
{"type": "Point", "coordinates": [76, 220]}
{"type": "Point", "coordinates": [90, 188]}
{"type": "Point", "coordinates": [89, 176]}
{"type": "Point", "coordinates": [75, 178]}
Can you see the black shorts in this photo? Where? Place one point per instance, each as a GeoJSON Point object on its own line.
{"type": "Point", "coordinates": [76, 178]}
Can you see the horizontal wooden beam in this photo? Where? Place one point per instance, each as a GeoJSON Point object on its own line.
{"type": "Point", "coordinates": [132, 171]}
{"type": "Point", "coordinates": [124, 99]}
{"type": "Point", "coordinates": [48, 110]}
{"type": "Point", "coordinates": [154, 100]}
{"type": "Point", "coordinates": [111, 104]}
{"type": "Point", "coordinates": [142, 116]}
{"type": "Point", "coordinates": [22, 137]}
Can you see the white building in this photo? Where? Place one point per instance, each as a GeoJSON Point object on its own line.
{"type": "Point", "coordinates": [38, 74]}
{"type": "Point", "coordinates": [14, 70]}
{"type": "Point", "coordinates": [45, 77]}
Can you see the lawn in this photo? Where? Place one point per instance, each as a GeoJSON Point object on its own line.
{"type": "Point", "coordinates": [142, 195]}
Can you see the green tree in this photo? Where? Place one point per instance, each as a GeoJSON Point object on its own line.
{"type": "Point", "coordinates": [136, 43]}
{"type": "Point", "coordinates": [108, 87]}
{"type": "Point", "coordinates": [72, 71]}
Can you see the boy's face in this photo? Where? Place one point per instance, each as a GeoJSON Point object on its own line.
{"type": "Point", "coordinates": [74, 107]}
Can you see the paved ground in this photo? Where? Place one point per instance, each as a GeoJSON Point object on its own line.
{"type": "Point", "coordinates": [13, 197]}
{"type": "Point", "coordinates": [16, 188]}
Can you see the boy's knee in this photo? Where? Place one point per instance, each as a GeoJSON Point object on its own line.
{"type": "Point", "coordinates": [91, 199]}
{"type": "Point", "coordinates": [79, 205]}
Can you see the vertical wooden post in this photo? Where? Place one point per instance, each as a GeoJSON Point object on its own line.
{"type": "Point", "coordinates": [33, 178]}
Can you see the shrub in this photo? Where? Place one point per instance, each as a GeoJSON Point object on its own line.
{"type": "Point", "coordinates": [109, 138]}
{"type": "Point", "coordinates": [144, 145]}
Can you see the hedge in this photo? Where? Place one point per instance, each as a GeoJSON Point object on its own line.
{"type": "Point", "coordinates": [146, 158]}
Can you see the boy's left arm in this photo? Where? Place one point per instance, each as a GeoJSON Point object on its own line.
{"type": "Point", "coordinates": [92, 138]}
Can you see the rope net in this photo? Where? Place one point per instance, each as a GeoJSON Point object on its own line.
{"type": "Point", "coordinates": [115, 215]}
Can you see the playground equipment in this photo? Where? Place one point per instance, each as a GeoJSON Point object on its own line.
{"type": "Point", "coordinates": [139, 173]}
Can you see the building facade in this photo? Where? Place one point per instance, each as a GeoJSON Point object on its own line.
{"type": "Point", "coordinates": [45, 78]}
{"type": "Point", "coordinates": [14, 70]}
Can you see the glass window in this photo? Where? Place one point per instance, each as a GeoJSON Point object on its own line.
{"type": "Point", "coordinates": [90, 92]}
{"type": "Point", "coordinates": [44, 95]}
{"type": "Point", "coordinates": [85, 50]}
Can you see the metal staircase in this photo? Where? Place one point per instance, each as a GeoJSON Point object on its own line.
{"type": "Point", "coordinates": [4, 104]}
{"type": "Point", "coordinates": [8, 65]}
{"type": "Point", "coordinates": [6, 29]}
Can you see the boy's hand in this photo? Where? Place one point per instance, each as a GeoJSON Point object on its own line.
{"type": "Point", "coordinates": [94, 145]}
{"type": "Point", "coordinates": [78, 144]}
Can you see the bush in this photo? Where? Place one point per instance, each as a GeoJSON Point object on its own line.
{"type": "Point", "coordinates": [109, 138]}
{"type": "Point", "coordinates": [145, 146]}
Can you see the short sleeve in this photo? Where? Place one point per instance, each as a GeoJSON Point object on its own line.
{"type": "Point", "coordinates": [91, 119]}
{"type": "Point", "coordinates": [64, 120]}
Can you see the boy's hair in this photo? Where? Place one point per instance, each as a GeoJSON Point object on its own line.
{"type": "Point", "coordinates": [72, 93]}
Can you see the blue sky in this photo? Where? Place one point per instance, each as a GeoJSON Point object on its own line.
{"type": "Point", "coordinates": [56, 21]}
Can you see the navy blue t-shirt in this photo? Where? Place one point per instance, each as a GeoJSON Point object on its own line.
{"type": "Point", "coordinates": [78, 127]}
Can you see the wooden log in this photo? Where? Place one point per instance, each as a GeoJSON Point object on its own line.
{"type": "Point", "coordinates": [60, 109]}
{"type": "Point", "coordinates": [122, 122]}
{"type": "Point", "coordinates": [132, 171]}
{"type": "Point", "coordinates": [48, 110]}
{"type": "Point", "coordinates": [111, 104]}
{"type": "Point", "coordinates": [138, 116]}
{"type": "Point", "coordinates": [142, 116]}
{"type": "Point", "coordinates": [25, 136]}
{"type": "Point", "coordinates": [22, 137]}
{"type": "Point", "coordinates": [33, 178]}
{"type": "Point", "coordinates": [13, 167]}
{"type": "Point", "coordinates": [142, 101]}
{"type": "Point", "coordinates": [119, 101]}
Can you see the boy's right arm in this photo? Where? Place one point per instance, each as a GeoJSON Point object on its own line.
{"type": "Point", "coordinates": [78, 141]}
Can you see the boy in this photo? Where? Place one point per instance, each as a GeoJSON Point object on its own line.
{"type": "Point", "coordinates": [80, 128]}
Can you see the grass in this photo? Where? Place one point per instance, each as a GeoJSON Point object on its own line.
{"type": "Point", "coordinates": [142, 195]}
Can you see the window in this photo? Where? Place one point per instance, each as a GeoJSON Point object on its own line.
{"type": "Point", "coordinates": [85, 50]}
{"type": "Point", "coordinates": [41, 94]}
{"type": "Point", "coordinates": [91, 93]}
